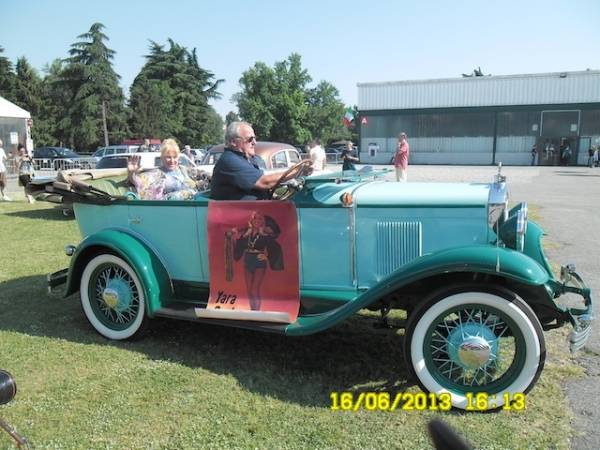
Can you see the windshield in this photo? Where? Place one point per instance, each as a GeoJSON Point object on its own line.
{"type": "Point", "coordinates": [112, 163]}
{"type": "Point", "coordinates": [66, 153]}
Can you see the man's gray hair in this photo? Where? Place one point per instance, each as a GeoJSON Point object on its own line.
{"type": "Point", "coordinates": [233, 131]}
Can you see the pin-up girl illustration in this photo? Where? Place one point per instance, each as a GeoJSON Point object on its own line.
{"type": "Point", "coordinates": [257, 244]}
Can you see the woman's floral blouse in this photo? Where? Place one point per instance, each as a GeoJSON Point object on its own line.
{"type": "Point", "coordinates": [160, 184]}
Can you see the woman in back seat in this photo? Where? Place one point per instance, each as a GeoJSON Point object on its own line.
{"type": "Point", "coordinates": [170, 181]}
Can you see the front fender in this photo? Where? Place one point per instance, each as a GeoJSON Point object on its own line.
{"type": "Point", "coordinates": [147, 265]}
{"type": "Point", "coordinates": [484, 259]}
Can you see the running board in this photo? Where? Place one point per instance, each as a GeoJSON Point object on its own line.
{"type": "Point", "coordinates": [187, 311]}
{"type": "Point", "coordinates": [233, 314]}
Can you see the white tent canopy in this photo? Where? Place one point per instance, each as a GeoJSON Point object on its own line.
{"type": "Point", "coordinates": [8, 109]}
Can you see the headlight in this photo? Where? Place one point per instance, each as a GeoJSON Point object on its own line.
{"type": "Point", "coordinates": [521, 227]}
{"type": "Point", "coordinates": [497, 203]}
{"type": "Point", "coordinates": [512, 231]}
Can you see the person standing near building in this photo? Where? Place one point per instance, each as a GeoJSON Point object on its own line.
{"type": "Point", "coordinates": [401, 158]}
{"type": "Point", "coordinates": [317, 156]}
{"type": "Point", "coordinates": [348, 158]}
{"type": "Point", "coordinates": [3, 158]}
{"type": "Point", "coordinates": [533, 154]}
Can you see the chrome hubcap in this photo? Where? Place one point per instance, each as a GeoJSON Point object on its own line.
{"type": "Point", "coordinates": [474, 352]}
{"type": "Point", "coordinates": [110, 297]}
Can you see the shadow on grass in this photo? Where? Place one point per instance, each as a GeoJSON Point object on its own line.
{"type": "Point", "coordinates": [303, 370]}
{"type": "Point", "coordinates": [43, 214]}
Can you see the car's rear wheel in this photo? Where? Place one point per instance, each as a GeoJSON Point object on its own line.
{"type": "Point", "coordinates": [470, 340]}
{"type": "Point", "coordinates": [112, 297]}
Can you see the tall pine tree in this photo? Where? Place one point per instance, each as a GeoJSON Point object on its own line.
{"type": "Point", "coordinates": [97, 110]}
{"type": "Point", "coordinates": [169, 97]}
{"type": "Point", "coordinates": [7, 78]}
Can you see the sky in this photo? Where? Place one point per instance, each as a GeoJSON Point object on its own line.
{"type": "Point", "coordinates": [342, 42]}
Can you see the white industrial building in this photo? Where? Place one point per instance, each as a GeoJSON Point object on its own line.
{"type": "Point", "coordinates": [483, 119]}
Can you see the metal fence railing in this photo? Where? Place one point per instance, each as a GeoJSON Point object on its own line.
{"type": "Point", "coordinates": [333, 158]}
{"type": "Point", "coordinates": [64, 164]}
{"type": "Point", "coordinates": [330, 158]}
{"type": "Point", "coordinates": [51, 166]}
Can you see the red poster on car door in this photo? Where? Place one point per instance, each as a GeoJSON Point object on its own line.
{"type": "Point", "coordinates": [253, 261]}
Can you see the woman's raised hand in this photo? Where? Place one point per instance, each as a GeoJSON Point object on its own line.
{"type": "Point", "coordinates": [133, 163]}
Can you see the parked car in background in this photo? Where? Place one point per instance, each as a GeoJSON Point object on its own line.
{"type": "Point", "coordinates": [114, 150]}
{"type": "Point", "coordinates": [276, 156]}
{"type": "Point", "coordinates": [198, 154]}
{"type": "Point", "coordinates": [57, 158]}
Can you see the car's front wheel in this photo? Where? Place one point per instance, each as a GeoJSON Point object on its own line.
{"type": "Point", "coordinates": [470, 340]}
{"type": "Point", "coordinates": [112, 297]}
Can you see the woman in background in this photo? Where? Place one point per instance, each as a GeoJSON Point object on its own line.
{"type": "Point", "coordinates": [26, 171]}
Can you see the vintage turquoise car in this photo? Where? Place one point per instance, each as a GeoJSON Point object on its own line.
{"type": "Point", "coordinates": [470, 273]}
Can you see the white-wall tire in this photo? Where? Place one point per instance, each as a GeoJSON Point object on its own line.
{"type": "Point", "coordinates": [422, 349]}
{"type": "Point", "coordinates": [121, 321]}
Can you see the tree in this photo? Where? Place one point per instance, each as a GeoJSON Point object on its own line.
{"type": "Point", "coordinates": [29, 95]}
{"type": "Point", "coordinates": [231, 117]}
{"type": "Point", "coordinates": [213, 128]}
{"type": "Point", "coordinates": [57, 96]}
{"type": "Point", "coordinates": [281, 107]}
{"type": "Point", "coordinates": [274, 100]}
{"type": "Point", "coordinates": [325, 112]}
{"type": "Point", "coordinates": [169, 97]}
{"type": "Point", "coordinates": [97, 111]}
{"type": "Point", "coordinates": [7, 77]}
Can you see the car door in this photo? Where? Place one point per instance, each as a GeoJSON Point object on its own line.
{"type": "Point", "coordinates": [170, 227]}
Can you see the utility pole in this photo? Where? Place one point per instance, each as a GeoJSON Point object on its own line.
{"type": "Point", "coordinates": [104, 123]}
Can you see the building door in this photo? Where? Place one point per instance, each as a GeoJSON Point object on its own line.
{"type": "Point", "coordinates": [559, 128]}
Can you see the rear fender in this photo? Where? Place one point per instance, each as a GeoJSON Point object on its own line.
{"type": "Point", "coordinates": [147, 265]}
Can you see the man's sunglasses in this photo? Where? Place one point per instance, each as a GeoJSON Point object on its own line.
{"type": "Point", "coordinates": [248, 140]}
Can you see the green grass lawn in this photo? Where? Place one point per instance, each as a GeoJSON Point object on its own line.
{"type": "Point", "coordinates": [187, 385]}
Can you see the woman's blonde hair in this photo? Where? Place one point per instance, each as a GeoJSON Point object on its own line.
{"type": "Point", "coordinates": [168, 145]}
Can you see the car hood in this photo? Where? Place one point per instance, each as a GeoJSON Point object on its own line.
{"type": "Point", "coordinates": [387, 193]}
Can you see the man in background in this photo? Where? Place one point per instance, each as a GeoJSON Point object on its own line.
{"type": "Point", "coordinates": [317, 156]}
{"type": "Point", "coordinates": [401, 159]}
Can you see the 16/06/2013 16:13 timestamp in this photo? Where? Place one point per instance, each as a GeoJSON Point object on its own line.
{"type": "Point", "coordinates": [420, 401]}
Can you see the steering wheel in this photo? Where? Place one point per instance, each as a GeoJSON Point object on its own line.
{"type": "Point", "coordinates": [300, 169]}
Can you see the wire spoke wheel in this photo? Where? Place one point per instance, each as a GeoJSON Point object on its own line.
{"type": "Point", "coordinates": [112, 297]}
{"type": "Point", "coordinates": [473, 348]}
{"type": "Point", "coordinates": [464, 341]}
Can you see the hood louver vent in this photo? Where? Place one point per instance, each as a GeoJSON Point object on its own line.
{"type": "Point", "coordinates": [398, 243]}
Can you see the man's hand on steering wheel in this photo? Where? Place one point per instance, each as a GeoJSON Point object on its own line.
{"type": "Point", "coordinates": [294, 173]}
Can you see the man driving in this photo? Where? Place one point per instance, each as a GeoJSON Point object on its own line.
{"type": "Point", "coordinates": [238, 174]}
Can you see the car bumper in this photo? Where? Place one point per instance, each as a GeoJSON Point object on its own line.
{"type": "Point", "coordinates": [56, 279]}
{"type": "Point", "coordinates": [580, 318]}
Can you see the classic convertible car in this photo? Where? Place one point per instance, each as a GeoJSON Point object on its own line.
{"type": "Point", "coordinates": [469, 272]}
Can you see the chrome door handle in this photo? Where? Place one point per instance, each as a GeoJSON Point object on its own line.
{"type": "Point", "coordinates": [135, 221]}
